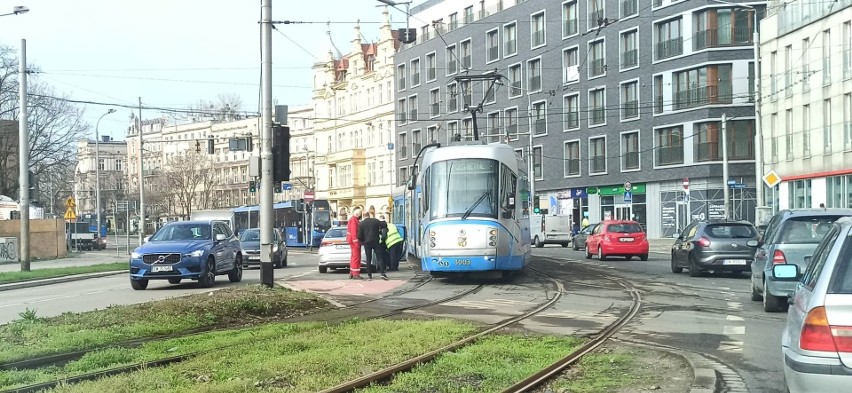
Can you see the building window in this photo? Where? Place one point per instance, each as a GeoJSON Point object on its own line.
{"type": "Point", "coordinates": [453, 131]}
{"type": "Point", "coordinates": [468, 15]}
{"type": "Point", "coordinates": [415, 142]}
{"type": "Point", "coordinates": [403, 176]}
{"type": "Point", "coordinates": [454, 21]}
{"type": "Point", "coordinates": [596, 13]}
{"type": "Point", "coordinates": [751, 76]}
{"type": "Point", "coordinates": [629, 49]}
{"type": "Point", "coordinates": [847, 50]}
{"type": "Point", "coordinates": [537, 162]}
{"type": "Point", "coordinates": [572, 158]}
{"type": "Point", "coordinates": [400, 80]}
{"type": "Point", "coordinates": [466, 55]}
{"type": "Point", "coordinates": [402, 110]}
{"type": "Point", "coordinates": [629, 8]}
{"type": "Point", "coordinates": [773, 141]}
{"type": "Point", "coordinates": [597, 155]}
{"type": "Point", "coordinates": [630, 100]}
{"type": "Point", "coordinates": [403, 143]}
{"type": "Point", "coordinates": [703, 86]}
{"type": "Point", "coordinates": [493, 124]}
{"type": "Point", "coordinates": [539, 113]}
{"type": "Point", "coordinates": [569, 18]}
{"type": "Point", "coordinates": [806, 131]}
{"type": "Point", "coordinates": [826, 57]}
{"type": "Point", "coordinates": [434, 102]}
{"type": "Point", "coordinates": [452, 60]}
{"type": "Point", "coordinates": [669, 146]}
{"type": "Point", "coordinates": [806, 66]}
{"type": "Point", "coordinates": [799, 192]}
{"type": "Point", "coordinates": [452, 97]}
{"type": "Point", "coordinates": [493, 40]}
{"type": "Point", "coordinates": [537, 29]}
{"type": "Point", "coordinates": [510, 119]}
{"type": "Point", "coordinates": [826, 125]}
{"type": "Point", "coordinates": [510, 41]}
{"type": "Point", "coordinates": [570, 59]}
{"type": "Point", "coordinates": [773, 74]}
{"type": "Point", "coordinates": [489, 93]}
{"type": "Point", "coordinates": [847, 121]}
{"type": "Point", "coordinates": [412, 109]}
{"type": "Point", "coordinates": [597, 103]}
{"type": "Point", "coordinates": [571, 112]}
{"type": "Point", "coordinates": [415, 72]}
{"type": "Point", "coordinates": [788, 134]}
{"type": "Point", "coordinates": [467, 93]}
{"type": "Point", "coordinates": [597, 62]}
{"type": "Point", "coordinates": [630, 150]}
{"type": "Point", "coordinates": [668, 41]}
{"type": "Point", "coordinates": [102, 164]}
{"type": "Point", "coordinates": [658, 94]}
{"type": "Point", "coordinates": [721, 27]}
{"type": "Point", "coordinates": [515, 81]}
{"type": "Point", "coordinates": [467, 130]}
{"type": "Point", "coordinates": [788, 70]}
{"type": "Point", "coordinates": [424, 34]}
{"type": "Point", "coordinates": [534, 74]}
{"type": "Point", "coordinates": [431, 134]}
{"type": "Point", "coordinates": [431, 66]}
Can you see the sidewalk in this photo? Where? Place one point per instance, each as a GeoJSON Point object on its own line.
{"type": "Point", "coordinates": [660, 246]}
{"type": "Point", "coordinates": [75, 259]}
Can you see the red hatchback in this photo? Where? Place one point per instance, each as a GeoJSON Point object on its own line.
{"type": "Point", "coordinates": [617, 238]}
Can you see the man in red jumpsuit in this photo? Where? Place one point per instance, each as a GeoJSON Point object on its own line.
{"type": "Point", "coordinates": [354, 244]}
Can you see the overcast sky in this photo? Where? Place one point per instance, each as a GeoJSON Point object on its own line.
{"type": "Point", "coordinates": [174, 52]}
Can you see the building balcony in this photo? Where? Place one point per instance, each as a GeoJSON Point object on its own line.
{"type": "Point", "coordinates": [353, 192]}
{"type": "Point", "coordinates": [669, 155]}
{"type": "Point", "coordinates": [705, 95]}
{"type": "Point", "coordinates": [669, 48]}
{"type": "Point", "coordinates": [351, 155]}
{"type": "Point", "coordinates": [713, 38]}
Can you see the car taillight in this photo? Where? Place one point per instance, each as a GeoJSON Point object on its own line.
{"type": "Point", "coordinates": [778, 258]}
{"type": "Point", "coordinates": [326, 244]}
{"type": "Point", "coordinates": [816, 334]}
{"type": "Point", "coordinates": [704, 242]}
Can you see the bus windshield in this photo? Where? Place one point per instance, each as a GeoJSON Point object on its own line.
{"type": "Point", "coordinates": [462, 187]}
{"type": "Point", "coordinates": [322, 219]}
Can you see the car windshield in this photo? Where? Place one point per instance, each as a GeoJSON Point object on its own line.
{"type": "Point", "coordinates": [805, 230]}
{"type": "Point", "coordinates": [624, 228]}
{"type": "Point", "coordinates": [250, 235]}
{"type": "Point", "coordinates": [731, 231]}
{"type": "Point", "coordinates": [336, 232]}
{"type": "Point", "coordinates": [172, 232]}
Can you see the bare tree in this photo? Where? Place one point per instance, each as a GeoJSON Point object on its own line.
{"type": "Point", "coordinates": [183, 177]}
{"type": "Point", "coordinates": [208, 181]}
{"type": "Point", "coordinates": [227, 106]}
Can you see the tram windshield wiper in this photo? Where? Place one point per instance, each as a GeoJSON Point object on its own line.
{"type": "Point", "coordinates": [475, 204]}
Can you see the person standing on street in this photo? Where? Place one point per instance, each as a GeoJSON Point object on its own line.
{"type": "Point", "coordinates": [369, 236]}
{"type": "Point", "coordinates": [393, 242]}
{"type": "Point", "coordinates": [354, 244]}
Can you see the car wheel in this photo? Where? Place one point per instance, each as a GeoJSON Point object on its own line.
{"type": "Point", "coordinates": [139, 285]}
{"type": "Point", "coordinates": [772, 303]}
{"type": "Point", "coordinates": [323, 269]}
{"type": "Point", "coordinates": [628, 257]}
{"type": "Point", "coordinates": [174, 281]}
{"type": "Point", "coordinates": [643, 257]}
{"type": "Point", "coordinates": [675, 268]}
{"type": "Point", "coordinates": [693, 269]}
{"type": "Point", "coordinates": [601, 255]}
{"type": "Point", "coordinates": [277, 264]}
{"type": "Point", "coordinates": [209, 276]}
{"type": "Point", "coordinates": [754, 295]}
{"type": "Point", "coordinates": [538, 243]}
{"type": "Point", "coordinates": [575, 247]}
{"type": "Point", "coordinates": [588, 252]}
{"type": "Point", "coordinates": [236, 274]}
{"type": "Point", "coordinates": [564, 245]}
{"type": "Point", "coordinates": [284, 262]}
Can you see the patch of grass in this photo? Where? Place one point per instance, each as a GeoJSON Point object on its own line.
{"type": "Point", "coordinates": [601, 372]}
{"type": "Point", "coordinates": [489, 365]}
{"type": "Point", "coordinates": [38, 274]}
{"type": "Point", "coordinates": [297, 358]}
{"type": "Point", "coordinates": [235, 306]}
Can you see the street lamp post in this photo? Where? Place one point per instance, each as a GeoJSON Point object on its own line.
{"type": "Point", "coordinates": [98, 171]}
{"type": "Point", "coordinates": [20, 9]}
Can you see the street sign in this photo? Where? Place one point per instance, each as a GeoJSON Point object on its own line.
{"type": "Point", "coordinates": [70, 215]}
{"type": "Point", "coordinates": [69, 203]}
{"type": "Point", "coordinates": [286, 186]}
{"type": "Point", "coordinates": [685, 183]}
{"type": "Point", "coordinates": [309, 196]}
{"type": "Point", "coordinates": [627, 186]}
{"type": "Point", "coordinates": [771, 179]}
{"type": "Point", "coordinates": [738, 186]}
{"type": "Point", "coordinates": [628, 197]}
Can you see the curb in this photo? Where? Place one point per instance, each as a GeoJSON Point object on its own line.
{"type": "Point", "coordinates": [56, 280]}
{"type": "Point", "coordinates": [323, 296]}
{"type": "Point", "coordinates": [704, 375]}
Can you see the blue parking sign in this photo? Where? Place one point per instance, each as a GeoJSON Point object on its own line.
{"type": "Point", "coordinates": [628, 197]}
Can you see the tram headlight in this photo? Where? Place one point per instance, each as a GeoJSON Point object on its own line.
{"type": "Point", "coordinates": [492, 237]}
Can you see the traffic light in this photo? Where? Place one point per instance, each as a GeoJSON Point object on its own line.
{"type": "Point", "coordinates": [198, 146]}
{"type": "Point", "coordinates": [249, 144]}
{"type": "Point", "coordinates": [276, 188]}
{"type": "Point", "coordinates": [210, 144]}
{"type": "Point", "coordinates": [252, 186]}
{"type": "Point", "coordinates": [280, 153]}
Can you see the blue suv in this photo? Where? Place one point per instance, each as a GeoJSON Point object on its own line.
{"type": "Point", "coordinates": [192, 250]}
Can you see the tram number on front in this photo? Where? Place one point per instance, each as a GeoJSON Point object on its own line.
{"type": "Point", "coordinates": [443, 264]}
{"type": "Point", "coordinates": [462, 262]}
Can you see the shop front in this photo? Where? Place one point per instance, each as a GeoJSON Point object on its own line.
{"type": "Point", "coordinates": [618, 203]}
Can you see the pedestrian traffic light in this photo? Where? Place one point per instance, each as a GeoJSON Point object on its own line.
{"type": "Point", "coordinates": [249, 144]}
{"type": "Point", "coordinates": [252, 186]}
{"type": "Point", "coordinates": [280, 153]}
{"type": "Point", "coordinates": [210, 142]}
{"type": "Point", "coordinates": [276, 188]}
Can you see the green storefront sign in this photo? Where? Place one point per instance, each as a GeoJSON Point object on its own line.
{"type": "Point", "coordinates": [638, 188]}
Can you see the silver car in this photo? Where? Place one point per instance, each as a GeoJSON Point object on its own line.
{"type": "Point", "coordinates": [817, 341]}
{"type": "Point", "coordinates": [334, 251]}
{"type": "Point", "coordinates": [790, 236]}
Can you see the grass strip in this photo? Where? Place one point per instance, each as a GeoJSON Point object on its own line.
{"type": "Point", "coordinates": [234, 306]}
{"type": "Point", "coordinates": [53, 272]}
{"type": "Point", "coordinates": [307, 360]}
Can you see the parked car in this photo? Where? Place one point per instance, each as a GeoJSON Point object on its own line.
{"type": "Point", "coordinates": [716, 245]}
{"type": "Point", "coordinates": [579, 239]}
{"type": "Point", "coordinates": [250, 243]}
{"type": "Point", "coordinates": [790, 236]}
{"type": "Point", "coordinates": [193, 250]}
{"type": "Point", "coordinates": [334, 251]}
{"type": "Point", "coordinates": [817, 340]}
{"type": "Point", "coordinates": [617, 238]}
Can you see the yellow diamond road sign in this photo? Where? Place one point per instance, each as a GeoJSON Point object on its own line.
{"type": "Point", "coordinates": [69, 203]}
{"type": "Point", "coordinates": [771, 179]}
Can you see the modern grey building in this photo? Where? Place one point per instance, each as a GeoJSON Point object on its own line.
{"type": "Point", "coordinates": [602, 92]}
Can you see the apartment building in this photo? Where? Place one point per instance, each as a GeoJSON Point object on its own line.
{"type": "Point", "coordinates": [597, 93]}
{"type": "Point", "coordinates": [806, 106]}
{"type": "Point", "coordinates": [112, 165]}
{"type": "Point", "coordinates": [354, 124]}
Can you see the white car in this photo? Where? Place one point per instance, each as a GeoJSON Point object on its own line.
{"type": "Point", "coordinates": [334, 251]}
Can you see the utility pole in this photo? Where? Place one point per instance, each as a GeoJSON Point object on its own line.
{"type": "Point", "coordinates": [758, 122]}
{"type": "Point", "coordinates": [266, 213]}
{"type": "Point", "coordinates": [24, 163]}
{"type": "Point", "coordinates": [141, 180]}
{"type": "Point", "coordinates": [726, 190]}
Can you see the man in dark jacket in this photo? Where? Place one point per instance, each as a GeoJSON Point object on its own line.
{"type": "Point", "coordinates": [369, 234]}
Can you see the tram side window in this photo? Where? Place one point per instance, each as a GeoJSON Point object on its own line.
{"type": "Point", "coordinates": [508, 189]}
{"type": "Point", "coordinates": [525, 195]}
{"type": "Point", "coordinates": [427, 192]}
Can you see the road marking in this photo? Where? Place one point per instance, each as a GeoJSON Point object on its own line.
{"type": "Point", "coordinates": [734, 318]}
{"type": "Point", "coordinates": [735, 305]}
{"type": "Point", "coordinates": [734, 330]}
{"type": "Point", "coordinates": [730, 346]}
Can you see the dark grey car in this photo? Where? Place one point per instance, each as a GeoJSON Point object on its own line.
{"type": "Point", "coordinates": [715, 245]}
{"type": "Point", "coordinates": [250, 243]}
{"type": "Point", "coordinates": [579, 239]}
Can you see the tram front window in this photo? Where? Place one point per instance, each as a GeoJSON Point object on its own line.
{"type": "Point", "coordinates": [322, 220]}
{"type": "Point", "coordinates": [463, 188]}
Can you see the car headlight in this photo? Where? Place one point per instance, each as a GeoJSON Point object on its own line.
{"type": "Point", "coordinates": [135, 255]}
{"type": "Point", "coordinates": [196, 253]}
{"type": "Point", "coordinates": [274, 248]}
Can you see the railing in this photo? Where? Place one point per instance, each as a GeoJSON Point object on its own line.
{"type": "Point", "coordinates": [658, 3]}
{"type": "Point", "coordinates": [415, 147]}
{"type": "Point", "coordinates": [491, 10]}
{"type": "Point", "coordinates": [669, 48]}
{"type": "Point", "coordinates": [669, 155]}
{"type": "Point", "coordinates": [493, 53]}
{"type": "Point", "coordinates": [705, 95]}
{"type": "Point", "coordinates": [598, 116]}
{"type": "Point", "coordinates": [402, 118]}
{"type": "Point", "coordinates": [569, 27]}
{"type": "Point", "coordinates": [658, 104]}
{"type": "Point", "coordinates": [412, 115]}
{"type": "Point", "coordinates": [572, 120]}
{"type": "Point", "coordinates": [436, 109]}
{"type": "Point", "coordinates": [631, 109]}
{"type": "Point", "coordinates": [466, 63]}
{"type": "Point", "coordinates": [540, 127]}
{"type": "Point", "coordinates": [598, 164]}
{"type": "Point", "coordinates": [451, 65]}
{"type": "Point", "coordinates": [468, 19]}
{"type": "Point", "coordinates": [573, 166]}
{"type": "Point", "coordinates": [631, 160]}
{"type": "Point", "coordinates": [430, 74]}
{"type": "Point", "coordinates": [538, 38]}
{"type": "Point", "coordinates": [629, 7]}
{"type": "Point", "coordinates": [707, 151]}
{"type": "Point", "coordinates": [401, 83]}
{"type": "Point", "coordinates": [511, 47]}
{"type": "Point", "coordinates": [629, 58]}
{"type": "Point", "coordinates": [515, 89]}
{"type": "Point", "coordinates": [415, 79]}
{"type": "Point", "coordinates": [454, 24]}
{"type": "Point", "coordinates": [402, 151]}
{"type": "Point", "coordinates": [535, 83]}
{"type": "Point", "coordinates": [712, 38]}
{"type": "Point", "coordinates": [597, 67]}
{"type": "Point", "coordinates": [452, 104]}
{"type": "Point", "coordinates": [512, 130]}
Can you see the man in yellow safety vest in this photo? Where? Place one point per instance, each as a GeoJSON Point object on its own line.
{"type": "Point", "coordinates": [393, 242]}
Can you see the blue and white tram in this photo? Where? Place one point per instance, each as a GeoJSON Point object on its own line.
{"type": "Point", "coordinates": [471, 210]}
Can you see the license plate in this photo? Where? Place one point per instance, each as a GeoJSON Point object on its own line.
{"type": "Point", "coordinates": [626, 239]}
{"type": "Point", "coordinates": [161, 269]}
{"type": "Point", "coordinates": [341, 246]}
{"type": "Point", "coordinates": [735, 262]}
{"type": "Point", "coordinates": [254, 258]}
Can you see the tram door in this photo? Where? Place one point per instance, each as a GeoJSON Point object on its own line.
{"type": "Point", "coordinates": [623, 212]}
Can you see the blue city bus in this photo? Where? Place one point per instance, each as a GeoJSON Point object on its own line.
{"type": "Point", "coordinates": [291, 218]}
